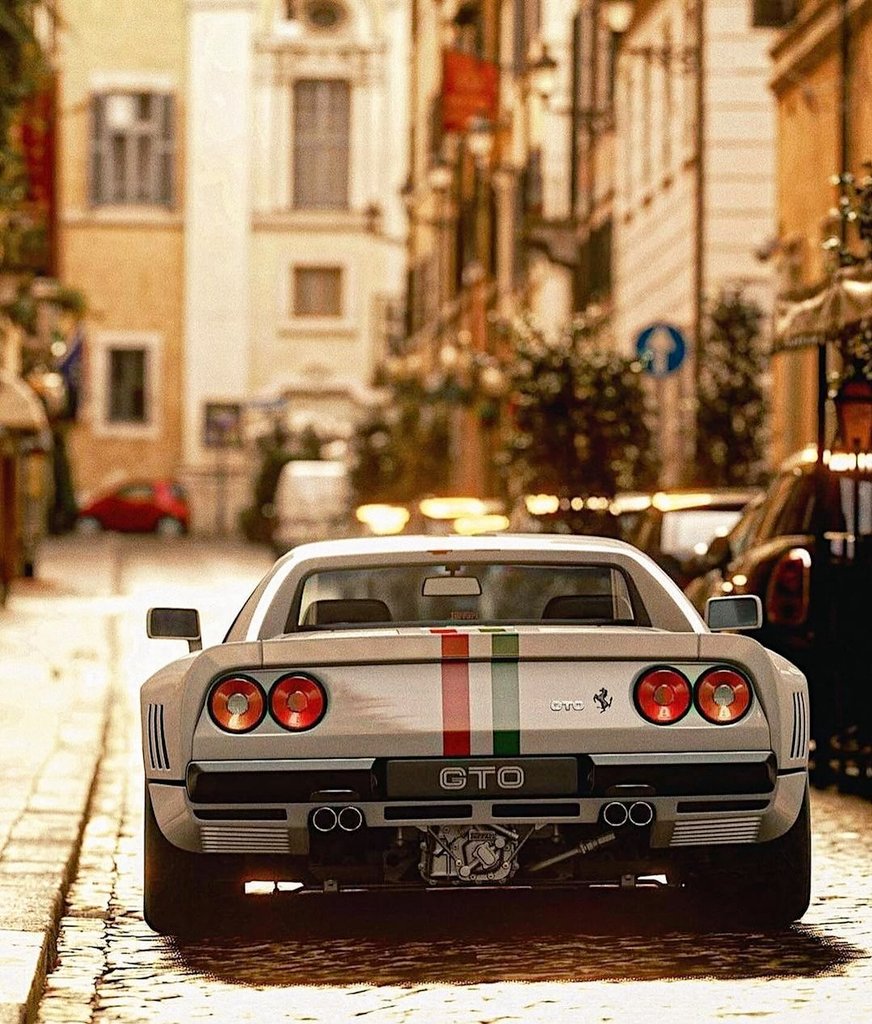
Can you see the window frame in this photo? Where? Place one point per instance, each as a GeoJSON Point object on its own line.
{"type": "Point", "coordinates": [160, 129]}
{"type": "Point", "coordinates": [321, 144]}
{"type": "Point", "coordinates": [106, 342]}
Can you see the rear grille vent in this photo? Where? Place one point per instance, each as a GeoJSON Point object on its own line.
{"type": "Point", "coordinates": [703, 831]}
{"type": "Point", "coordinates": [244, 839]}
{"type": "Point", "coordinates": [157, 741]}
{"type": "Point", "coordinates": [799, 741]}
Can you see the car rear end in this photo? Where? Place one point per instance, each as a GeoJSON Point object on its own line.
{"type": "Point", "coordinates": [537, 756]}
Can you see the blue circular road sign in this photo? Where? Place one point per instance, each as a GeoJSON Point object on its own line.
{"type": "Point", "coordinates": [661, 349]}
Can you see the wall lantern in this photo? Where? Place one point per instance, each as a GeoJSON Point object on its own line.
{"type": "Point", "coordinates": [543, 73]}
{"type": "Point", "coordinates": [440, 176]}
{"type": "Point", "coordinates": [854, 412]}
{"type": "Point", "coordinates": [480, 138]}
{"type": "Point", "coordinates": [618, 14]}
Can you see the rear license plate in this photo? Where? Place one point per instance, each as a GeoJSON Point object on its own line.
{"type": "Point", "coordinates": [481, 777]}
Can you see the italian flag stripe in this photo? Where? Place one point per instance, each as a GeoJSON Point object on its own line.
{"type": "Point", "coordinates": [504, 689]}
{"type": "Point", "coordinates": [455, 695]}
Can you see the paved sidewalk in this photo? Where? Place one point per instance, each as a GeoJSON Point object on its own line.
{"type": "Point", "coordinates": [58, 648]}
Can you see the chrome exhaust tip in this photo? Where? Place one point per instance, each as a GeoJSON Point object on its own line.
{"type": "Point", "coordinates": [641, 813]}
{"type": "Point", "coordinates": [350, 819]}
{"type": "Point", "coordinates": [615, 814]}
{"type": "Point", "coordinates": [324, 819]}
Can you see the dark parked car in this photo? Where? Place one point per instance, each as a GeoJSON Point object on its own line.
{"type": "Point", "coordinates": [678, 526]}
{"type": "Point", "coordinates": [141, 506]}
{"type": "Point", "coordinates": [816, 609]}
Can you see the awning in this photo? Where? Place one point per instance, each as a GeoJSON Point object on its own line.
{"type": "Point", "coordinates": [847, 300]}
{"type": "Point", "coordinates": [21, 412]}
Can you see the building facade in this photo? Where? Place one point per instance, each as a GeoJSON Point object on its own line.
{"type": "Point", "coordinates": [230, 203]}
{"type": "Point", "coordinates": [822, 66]}
{"type": "Point", "coordinates": [694, 185]}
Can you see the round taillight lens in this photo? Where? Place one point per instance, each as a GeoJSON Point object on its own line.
{"type": "Point", "coordinates": [723, 695]}
{"type": "Point", "coordinates": [297, 702]}
{"type": "Point", "coordinates": [237, 705]}
{"type": "Point", "coordinates": [663, 696]}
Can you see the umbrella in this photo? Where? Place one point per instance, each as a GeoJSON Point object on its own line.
{"type": "Point", "coordinates": [846, 300]}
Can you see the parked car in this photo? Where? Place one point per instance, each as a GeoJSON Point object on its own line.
{"type": "Point", "coordinates": [677, 527]}
{"type": "Point", "coordinates": [502, 712]}
{"type": "Point", "coordinates": [138, 506]}
{"type": "Point", "coordinates": [810, 562]}
{"type": "Point", "coordinates": [312, 502]}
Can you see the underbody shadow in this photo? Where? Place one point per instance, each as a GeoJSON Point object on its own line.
{"type": "Point", "coordinates": [469, 937]}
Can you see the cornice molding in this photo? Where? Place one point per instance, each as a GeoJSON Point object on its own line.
{"type": "Point", "coordinates": [814, 36]}
{"type": "Point", "coordinates": [221, 6]}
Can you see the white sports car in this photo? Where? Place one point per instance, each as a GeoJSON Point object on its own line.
{"type": "Point", "coordinates": [515, 711]}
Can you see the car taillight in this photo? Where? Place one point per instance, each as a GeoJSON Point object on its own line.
{"type": "Point", "coordinates": [723, 695]}
{"type": "Point", "coordinates": [297, 702]}
{"type": "Point", "coordinates": [237, 705]}
{"type": "Point", "coordinates": [787, 593]}
{"type": "Point", "coordinates": [663, 696]}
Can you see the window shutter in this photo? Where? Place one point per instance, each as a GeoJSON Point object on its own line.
{"type": "Point", "coordinates": [96, 190]}
{"type": "Point", "coordinates": [322, 122]}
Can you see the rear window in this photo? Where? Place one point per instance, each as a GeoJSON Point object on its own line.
{"type": "Point", "coordinates": [493, 595]}
{"type": "Point", "coordinates": [686, 532]}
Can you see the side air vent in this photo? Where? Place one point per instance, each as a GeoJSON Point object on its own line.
{"type": "Point", "coordinates": [157, 741]}
{"type": "Point", "coordinates": [799, 740]}
{"type": "Point", "coordinates": [244, 839]}
{"type": "Point", "coordinates": [706, 831]}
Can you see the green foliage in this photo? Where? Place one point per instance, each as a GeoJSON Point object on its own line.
{"type": "Point", "coordinates": [22, 69]}
{"type": "Point", "coordinates": [401, 451]}
{"type": "Point", "coordinates": [579, 423]}
{"type": "Point", "coordinates": [731, 414]}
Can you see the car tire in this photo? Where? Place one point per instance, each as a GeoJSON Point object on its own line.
{"type": "Point", "coordinates": [768, 884]}
{"type": "Point", "coordinates": [183, 893]}
{"type": "Point", "coordinates": [169, 526]}
{"type": "Point", "coordinates": [88, 525]}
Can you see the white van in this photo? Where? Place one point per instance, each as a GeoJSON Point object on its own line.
{"type": "Point", "coordinates": [312, 502]}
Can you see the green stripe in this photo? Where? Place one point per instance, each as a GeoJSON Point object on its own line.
{"type": "Point", "coordinates": [504, 691]}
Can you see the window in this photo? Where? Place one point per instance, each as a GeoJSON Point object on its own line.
{"type": "Point", "coordinates": [317, 291]}
{"type": "Point", "coordinates": [494, 593]}
{"type": "Point", "coordinates": [322, 120]}
{"type": "Point", "coordinates": [131, 148]}
{"type": "Point", "coordinates": [127, 374]}
{"type": "Point", "coordinates": [125, 367]}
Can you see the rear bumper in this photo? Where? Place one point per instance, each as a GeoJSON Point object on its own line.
{"type": "Point", "coordinates": [698, 799]}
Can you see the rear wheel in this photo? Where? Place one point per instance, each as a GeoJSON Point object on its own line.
{"type": "Point", "coordinates": [169, 526]}
{"type": "Point", "coordinates": [767, 885]}
{"type": "Point", "coordinates": [88, 524]}
{"type": "Point", "coordinates": [182, 892]}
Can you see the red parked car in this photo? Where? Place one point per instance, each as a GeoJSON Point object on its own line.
{"type": "Point", "coordinates": [141, 506]}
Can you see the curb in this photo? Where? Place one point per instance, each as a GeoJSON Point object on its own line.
{"type": "Point", "coordinates": [37, 873]}
{"type": "Point", "coordinates": [46, 803]}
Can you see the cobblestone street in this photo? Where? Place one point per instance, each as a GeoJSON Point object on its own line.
{"type": "Point", "coordinates": [466, 957]}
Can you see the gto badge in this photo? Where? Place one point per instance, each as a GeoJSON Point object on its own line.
{"type": "Point", "coordinates": [567, 705]}
{"type": "Point", "coordinates": [507, 776]}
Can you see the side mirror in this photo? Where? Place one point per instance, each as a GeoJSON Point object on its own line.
{"type": "Point", "coordinates": [742, 612]}
{"type": "Point", "coordinates": [175, 624]}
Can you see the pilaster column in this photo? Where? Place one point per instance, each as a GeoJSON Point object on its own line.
{"type": "Point", "coordinates": [218, 150]}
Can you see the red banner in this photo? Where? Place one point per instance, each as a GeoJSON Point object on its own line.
{"type": "Point", "coordinates": [470, 88]}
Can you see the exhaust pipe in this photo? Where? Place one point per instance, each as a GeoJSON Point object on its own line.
{"type": "Point", "coordinates": [641, 813]}
{"type": "Point", "coordinates": [324, 819]}
{"type": "Point", "coordinates": [350, 819]}
{"type": "Point", "coordinates": [615, 815]}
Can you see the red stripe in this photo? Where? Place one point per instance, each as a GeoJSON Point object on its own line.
{"type": "Point", "coordinates": [455, 695]}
